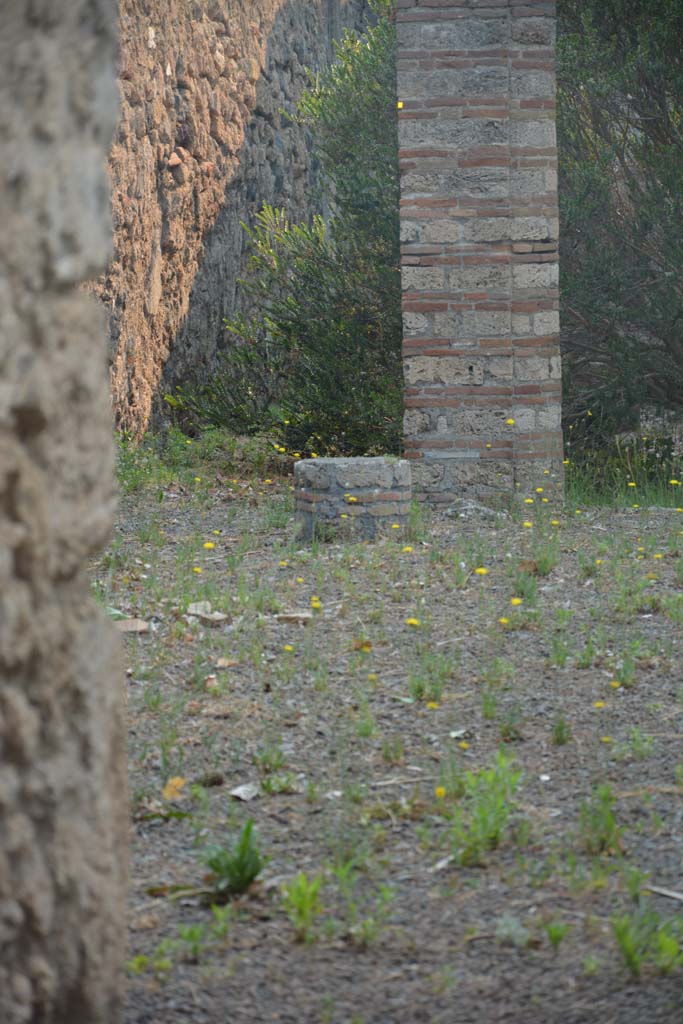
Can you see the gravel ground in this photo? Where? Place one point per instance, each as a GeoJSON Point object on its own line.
{"type": "Point", "coordinates": [362, 693]}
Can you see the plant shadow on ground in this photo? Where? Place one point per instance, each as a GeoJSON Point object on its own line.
{"type": "Point", "coordinates": [372, 783]}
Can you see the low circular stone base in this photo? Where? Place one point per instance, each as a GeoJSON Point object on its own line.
{"type": "Point", "coordinates": [356, 498]}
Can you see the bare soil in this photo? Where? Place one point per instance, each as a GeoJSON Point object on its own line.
{"type": "Point", "coordinates": [356, 741]}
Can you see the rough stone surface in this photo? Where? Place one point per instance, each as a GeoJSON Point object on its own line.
{"type": "Point", "coordinates": [204, 140]}
{"type": "Point", "coordinates": [62, 769]}
{"type": "Point", "coordinates": [479, 226]}
{"type": "Point", "coordinates": [355, 497]}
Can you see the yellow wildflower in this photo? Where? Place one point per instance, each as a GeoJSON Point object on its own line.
{"type": "Point", "coordinates": [412, 621]}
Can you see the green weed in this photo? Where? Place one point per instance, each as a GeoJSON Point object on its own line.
{"type": "Point", "coordinates": [489, 704]}
{"type": "Point", "coordinates": [559, 651]}
{"type": "Point", "coordinates": [557, 932]}
{"type": "Point", "coordinates": [302, 902]}
{"type": "Point", "coordinates": [193, 939]}
{"type": "Point", "coordinates": [233, 869]}
{"type": "Point", "coordinates": [393, 750]}
{"type": "Point", "coordinates": [639, 746]}
{"type": "Point", "coordinates": [643, 936]}
{"type": "Point", "coordinates": [598, 827]}
{"type": "Point", "coordinates": [279, 782]}
{"type": "Point", "coordinates": [479, 826]}
{"type": "Point", "coordinates": [510, 725]}
{"type": "Point", "coordinates": [562, 732]}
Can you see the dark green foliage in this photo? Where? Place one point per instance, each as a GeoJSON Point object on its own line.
{"type": "Point", "coordinates": [319, 362]}
{"type": "Point", "coordinates": [620, 128]}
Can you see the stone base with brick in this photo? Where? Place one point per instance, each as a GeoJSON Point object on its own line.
{"type": "Point", "coordinates": [356, 498]}
{"type": "Point", "coordinates": [479, 231]}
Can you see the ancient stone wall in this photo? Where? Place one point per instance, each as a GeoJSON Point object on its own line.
{"type": "Point", "coordinates": [479, 227]}
{"type": "Point", "coordinates": [63, 833]}
{"type": "Point", "coordinates": [204, 139]}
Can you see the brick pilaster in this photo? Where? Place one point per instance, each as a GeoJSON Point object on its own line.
{"type": "Point", "coordinates": [479, 230]}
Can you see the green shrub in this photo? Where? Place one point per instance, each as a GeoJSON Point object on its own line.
{"type": "Point", "coordinates": [620, 133]}
{"type": "Point", "coordinates": [319, 362]}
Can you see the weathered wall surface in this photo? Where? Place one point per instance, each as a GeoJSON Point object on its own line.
{"type": "Point", "coordinates": [202, 143]}
{"type": "Point", "coordinates": [62, 781]}
{"type": "Point", "coordinates": [479, 226]}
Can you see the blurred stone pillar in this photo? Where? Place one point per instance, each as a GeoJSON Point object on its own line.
{"type": "Point", "coordinates": [63, 831]}
{"type": "Point", "coordinates": [479, 225]}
